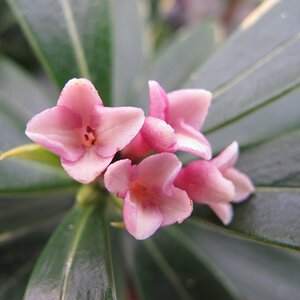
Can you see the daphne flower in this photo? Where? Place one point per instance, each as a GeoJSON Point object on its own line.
{"type": "Point", "coordinates": [216, 182]}
{"type": "Point", "coordinates": [84, 133]}
{"type": "Point", "coordinates": [150, 198]}
{"type": "Point", "coordinates": [173, 123]}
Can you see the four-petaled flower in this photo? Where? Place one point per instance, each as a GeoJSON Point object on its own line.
{"type": "Point", "coordinates": [84, 133]}
{"type": "Point", "coordinates": [150, 198]}
{"type": "Point", "coordinates": [216, 183]}
{"type": "Point", "coordinates": [173, 123]}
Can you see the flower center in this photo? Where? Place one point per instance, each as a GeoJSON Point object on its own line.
{"type": "Point", "coordinates": [89, 136]}
{"type": "Point", "coordinates": [139, 191]}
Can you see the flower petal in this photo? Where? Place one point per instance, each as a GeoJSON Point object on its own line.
{"type": "Point", "coordinates": [141, 220]}
{"type": "Point", "coordinates": [242, 184]}
{"type": "Point", "coordinates": [116, 127]}
{"type": "Point", "coordinates": [204, 183]}
{"type": "Point", "coordinates": [117, 176]}
{"type": "Point", "coordinates": [137, 149]}
{"type": "Point", "coordinates": [223, 210]}
{"type": "Point", "coordinates": [158, 101]}
{"type": "Point", "coordinates": [80, 96]}
{"type": "Point", "coordinates": [176, 207]}
{"type": "Point", "coordinates": [159, 135]}
{"type": "Point", "coordinates": [87, 168]}
{"type": "Point", "coordinates": [190, 106]}
{"type": "Point", "coordinates": [159, 171]}
{"type": "Point", "coordinates": [57, 129]}
{"type": "Point", "coordinates": [192, 141]}
{"type": "Point", "coordinates": [228, 157]}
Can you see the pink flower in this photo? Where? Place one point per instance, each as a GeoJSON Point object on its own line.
{"type": "Point", "coordinates": [150, 198]}
{"type": "Point", "coordinates": [84, 133]}
{"type": "Point", "coordinates": [173, 123]}
{"type": "Point", "coordinates": [216, 183]}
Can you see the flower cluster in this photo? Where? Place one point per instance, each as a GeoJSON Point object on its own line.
{"type": "Point", "coordinates": [156, 189]}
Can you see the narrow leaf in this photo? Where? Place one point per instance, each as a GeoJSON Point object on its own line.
{"type": "Point", "coordinates": [71, 38]}
{"type": "Point", "coordinates": [187, 52]}
{"type": "Point", "coordinates": [258, 271]}
{"type": "Point", "coordinates": [129, 51]}
{"type": "Point", "coordinates": [21, 96]}
{"type": "Point", "coordinates": [182, 274]}
{"type": "Point", "coordinates": [32, 152]}
{"type": "Point", "coordinates": [241, 74]}
{"type": "Point", "coordinates": [24, 215]}
{"type": "Point", "coordinates": [76, 263]}
{"type": "Point", "coordinates": [271, 214]}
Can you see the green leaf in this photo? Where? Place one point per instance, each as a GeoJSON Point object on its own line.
{"type": "Point", "coordinates": [18, 176]}
{"type": "Point", "coordinates": [257, 271]}
{"type": "Point", "coordinates": [255, 69]}
{"type": "Point", "coordinates": [271, 215]}
{"type": "Point", "coordinates": [71, 38]}
{"type": "Point", "coordinates": [129, 51]}
{"type": "Point", "coordinates": [272, 120]}
{"type": "Point", "coordinates": [166, 267]}
{"type": "Point", "coordinates": [17, 261]}
{"type": "Point", "coordinates": [26, 214]}
{"type": "Point", "coordinates": [21, 96]}
{"type": "Point", "coordinates": [26, 223]}
{"type": "Point", "coordinates": [76, 263]}
{"type": "Point", "coordinates": [191, 47]}
{"type": "Point", "coordinates": [32, 152]}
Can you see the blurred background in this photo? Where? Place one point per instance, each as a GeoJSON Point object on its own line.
{"type": "Point", "coordinates": [168, 16]}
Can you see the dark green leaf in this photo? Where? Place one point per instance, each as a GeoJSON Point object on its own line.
{"type": "Point", "coordinates": [25, 176]}
{"type": "Point", "coordinates": [76, 263]}
{"type": "Point", "coordinates": [255, 69]}
{"type": "Point", "coordinates": [21, 96]}
{"type": "Point", "coordinates": [272, 213]}
{"type": "Point", "coordinates": [29, 213]}
{"type": "Point", "coordinates": [70, 37]}
{"type": "Point", "coordinates": [191, 47]}
{"type": "Point", "coordinates": [166, 267]}
{"type": "Point", "coordinates": [272, 120]}
{"type": "Point", "coordinates": [129, 51]}
{"type": "Point", "coordinates": [259, 272]}
{"type": "Point", "coordinates": [17, 261]}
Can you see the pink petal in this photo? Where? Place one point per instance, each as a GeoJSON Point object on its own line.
{"type": "Point", "coordinates": [223, 210]}
{"type": "Point", "coordinates": [137, 149]}
{"type": "Point", "coordinates": [204, 183]}
{"type": "Point", "coordinates": [80, 96]}
{"type": "Point", "coordinates": [176, 207]}
{"type": "Point", "coordinates": [227, 158]}
{"type": "Point", "coordinates": [190, 106]}
{"type": "Point", "coordinates": [87, 168]}
{"type": "Point", "coordinates": [117, 176]}
{"type": "Point", "coordinates": [159, 171]}
{"type": "Point", "coordinates": [57, 129]}
{"type": "Point", "coordinates": [159, 135]}
{"type": "Point", "coordinates": [158, 101]}
{"type": "Point", "coordinates": [192, 141]}
{"type": "Point", "coordinates": [141, 220]}
{"type": "Point", "coordinates": [116, 127]}
{"type": "Point", "coordinates": [242, 184]}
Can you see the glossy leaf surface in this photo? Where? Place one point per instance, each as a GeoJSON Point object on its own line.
{"type": "Point", "coordinates": [254, 70]}
{"type": "Point", "coordinates": [130, 49]}
{"type": "Point", "coordinates": [21, 96]}
{"type": "Point", "coordinates": [257, 271]}
{"type": "Point", "coordinates": [76, 263]}
{"type": "Point", "coordinates": [177, 271]}
{"type": "Point", "coordinates": [272, 213]}
{"type": "Point", "coordinates": [70, 38]}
